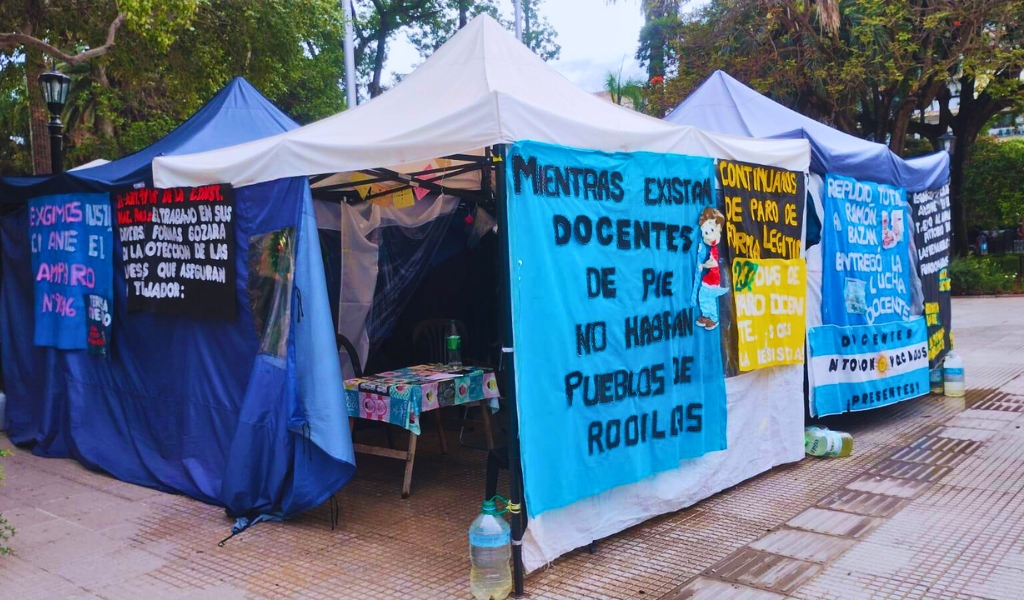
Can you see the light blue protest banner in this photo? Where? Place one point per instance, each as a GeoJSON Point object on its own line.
{"type": "Point", "coordinates": [867, 366]}
{"type": "Point", "coordinates": [618, 366]}
{"type": "Point", "coordinates": [71, 245]}
{"type": "Point", "coordinates": [866, 259]}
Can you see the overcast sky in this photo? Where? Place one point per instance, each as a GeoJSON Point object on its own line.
{"type": "Point", "coordinates": [596, 38]}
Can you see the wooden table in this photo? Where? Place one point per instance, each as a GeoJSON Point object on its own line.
{"type": "Point", "coordinates": [401, 397]}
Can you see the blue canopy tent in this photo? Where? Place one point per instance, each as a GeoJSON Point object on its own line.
{"type": "Point", "coordinates": [187, 405]}
{"type": "Point", "coordinates": [723, 105]}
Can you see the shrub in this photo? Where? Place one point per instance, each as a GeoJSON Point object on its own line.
{"type": "Point", "coordinates": [976, 275]}
{"type": "Point", "coordinates": [6, 531]}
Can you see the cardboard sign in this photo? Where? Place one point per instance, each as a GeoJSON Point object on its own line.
{"type": "Point", "coordinates": [71, 242]}
{"type": "Point", "coordinates": [933, 229]}
{"type": "Point", "coordinates": [178, 249]}
{"type": "Point", "coordinates": [770, 296]}
{"type": "Point", "coordinates": [857, 368]}
{"type": "Point", "coordinates": [618, 375]}
{"type": "Point", "coordinates": [866, 258]}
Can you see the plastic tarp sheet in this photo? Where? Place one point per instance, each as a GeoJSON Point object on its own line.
{"type": "Point", "coordinates": [185, 405]}
{"type": "Point", "coordinates": [481, 88]}
{"type": "Point", "coordinates": [723, 105]}
{"type": "Point", "coordinates": [362, 229]}
{"type": "Point", "coordinates": [765, 429]}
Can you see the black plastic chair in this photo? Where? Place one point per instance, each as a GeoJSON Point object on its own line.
{"type": "Point", "coordinates": [353, 355]}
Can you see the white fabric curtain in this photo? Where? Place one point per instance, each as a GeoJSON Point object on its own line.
{"type": "Point", "coordinates": [359, 251]}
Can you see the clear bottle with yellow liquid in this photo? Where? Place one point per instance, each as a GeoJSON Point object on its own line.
{"type": "Point", "coordinates": [820, 441]}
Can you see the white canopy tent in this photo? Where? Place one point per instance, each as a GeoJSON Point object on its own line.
{"type": "Point", "coordinates": [484, 88]}
{"type": "Point", "coordinates": [481, 88]}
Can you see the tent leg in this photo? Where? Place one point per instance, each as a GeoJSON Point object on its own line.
{"type": "Point", "coordinates": [508, 372]}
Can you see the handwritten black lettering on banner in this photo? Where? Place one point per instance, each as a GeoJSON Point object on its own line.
{"type": "Point", "coordinates": [932, 234]}
{"type": "Point", "coordinates": [764, 210]}
{"type": "Point", "coordinates": [178, 247]}
{"type": "Point", "coordinates": [617, 283]}
{"type": "Point", "coordinates": [764, 219]}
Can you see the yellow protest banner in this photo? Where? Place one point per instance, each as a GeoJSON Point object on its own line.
{"type": "Point", "coordinates": [771, 301]}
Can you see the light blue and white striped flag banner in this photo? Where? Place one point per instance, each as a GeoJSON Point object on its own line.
{"type": "Point", "coordinates": [867, 366]}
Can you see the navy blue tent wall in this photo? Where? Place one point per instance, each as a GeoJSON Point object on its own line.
{"type": "Point", "coordinates": [187, 405]}
{"type": "Point", "coordinates": [723, 105]}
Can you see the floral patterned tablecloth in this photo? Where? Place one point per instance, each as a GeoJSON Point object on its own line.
{"type": "Point", "coordinates": [399, 397]}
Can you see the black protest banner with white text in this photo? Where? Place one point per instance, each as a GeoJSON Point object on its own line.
{"type": "Point", "coordinates": [178, 248]}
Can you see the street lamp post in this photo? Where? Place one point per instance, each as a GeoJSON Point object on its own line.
{"type": "Point", "coordinates": [55, 90]}
{"type": "Point", "coordinates": [948, 141]}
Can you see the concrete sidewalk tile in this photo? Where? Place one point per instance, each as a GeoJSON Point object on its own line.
{"type": "Point", "coordinates": [964, 433]}
{"type": "Point", "coordinates": [887, 486]}
{"type": "Point", "coordinates": [22, 517]}
{"type": "Point", "coordinates": [703, 588]}
{"type": "Point", "coordinates": [976, 423]}
{"type": "Point", "coordinates": [803, 545]}
{"type": "Point", "coordinates": [39, 488]}
{"type": "Point", "coordinates": [84, 503]}
{"type": "Point", "coordinates": [834, 522]}
{"type": "Point", "coordinates": [94, 570]}
{"type": "Point", "coordinates": [862, 503]}
{"type": "Point", "coordinates": [989, 415]}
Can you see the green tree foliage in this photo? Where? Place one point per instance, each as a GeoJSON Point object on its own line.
{"type": "Point", "coordinates": [453, 15]}
{"type": "Point", "coordinates": [630, 90]}
{"type": "Point", "coordinates": [377, 22]}
{"type": "Point", "coordinates": [538, 35]}
{"type": "Point", "coordinates": [994, 184]}
{"type": "Point", "coordinates": [661, 26]}
{"type": "Point", "coordinates": [167, 59]}
{"type": "Point", "coordinates": [15, 152]}
{"type": "Point", "coordinates": [867, 66]}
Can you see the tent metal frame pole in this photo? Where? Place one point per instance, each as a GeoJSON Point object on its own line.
{"type": "Point", "coordinates": [515, 467]}
{"type": "Point", "coordinates": [518, 14]}
{"type": "Point", "coordinates": [350, 58]}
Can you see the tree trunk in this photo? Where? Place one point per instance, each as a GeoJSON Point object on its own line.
{"type": "Point", "coordinates": [959, 207]}
{"type": "Point", "coordinates": [900, 125]}
{"type": "Point", "coordinates": [974, 112]}
{"type": "Point", "coordinates": [103, 121]}
{"type": "Point", "coordinates": [38, 115]}
{"type": "Point", "coordinates": [463, 13]}
{"type": "Point", "coordinates": [378, 60]}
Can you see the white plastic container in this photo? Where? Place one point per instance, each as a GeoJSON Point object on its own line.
{"type": "Point", "coordinates": [954, 384]}
{"type": "Point", "coordinates": [490, 551]}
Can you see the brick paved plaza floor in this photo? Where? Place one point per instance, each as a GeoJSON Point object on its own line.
{"type": "Point", "coordinates": [930, 505]}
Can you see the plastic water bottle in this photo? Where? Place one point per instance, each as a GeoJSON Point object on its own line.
{"type": "Point", "coordinates": [3, 405]}
{"type": "Point", "coordinates": [819, 441]}
{"type": "Point", "coordinates": [935, 380]}
{"type": "Point", "coordinates": [453, 347]}
{"type": "Point", "coordinates": [954, 385]}
{"type": "Point", "coordinates": [490, 577]}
